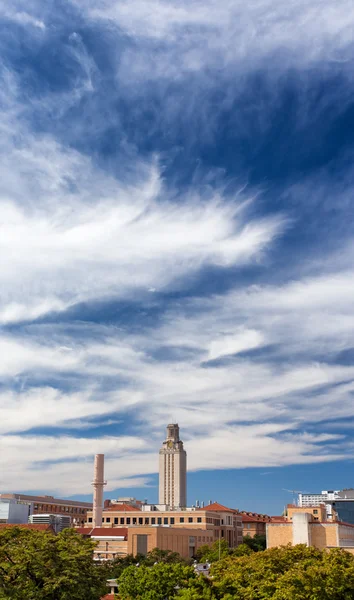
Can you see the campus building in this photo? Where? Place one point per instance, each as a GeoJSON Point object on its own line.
{"type": "Point", "coordinates": [215, 520]}
{"type": "Point", "coordinates": [310, 526]}
{"type": "Point", "coordinates": [14, 511]}
{"type": "Point", "coordinates": [312, 499]}
{"type": "Point", "coordinates": [55, 506]}
{"type": "Point", "coordinates": [118, 542]}
{"type": "Point", "coordinates": [57, 522]}
{"type": "Point", "coordinates": [254, 523]}
{"type": "Point", "coordinates": [339, 503]}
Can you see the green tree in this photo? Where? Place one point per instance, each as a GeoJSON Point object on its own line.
{"type": "Point", "coordinates": [36, 565]}
{"type": "Point", "coordinates": [331, 578]}
{"type": "Point", "coordinates": [155, 583]}
{"type": "Point", "coordinates": [116, 567]}
{"type": "Point", "coordinates": [156, 555]}
{"type": "Point", "coordinates": [257, 543]}
{"type": "Point", "coordinates": [287, 573]}
{"type": "Point", "coordinates": [212, 553]}
{"type": "Point", "coordinates": [242, 550]}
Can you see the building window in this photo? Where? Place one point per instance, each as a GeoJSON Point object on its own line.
{"type": "Point", "coordinates": [134, 520]}
{"type": "Point", "coordinates": [153, 521]}
{"type": "Point", "coordinates": [172, 520]}
{"type": "Point", "coordinates": [165, 521]}
{"type": "Point", "coordinates": [199, 519]}
{"type": "Point", "coordinates": [140, 520]}
{"type": "Point", "coordinates": [159, 520]}
{"type": "Point", "coordinates": [181, 519]}
{"type": "Point", "coordinates": [248, 526]}
{"type": "Point", "coordinates": [146, 520]}
{"type": "Point", "coordinates": [90, 519]}
{"type": "Point", "coordinates": [190, 519]}
{"type": "Point", "coordinates": [108, 520]}
{"type": "Point", "coordinates": [315, 512]}
{"type": "Point", "coordinates": [116, 520]}
{"type": "Point", "coordinates": [122, 520]}
{"type": "Point", "coordinates": [128, 520]}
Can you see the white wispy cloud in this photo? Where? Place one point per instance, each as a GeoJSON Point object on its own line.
{"type": "Point", "coordinates": [76, 234]}
{"type": "Point", "coordinates": [230, 32]}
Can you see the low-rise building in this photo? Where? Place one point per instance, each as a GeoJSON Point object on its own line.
{"type": "Point", "coordinates": [254, 523]}
{"type": "Point", "coordinates": [309, 525]}
{"type": "Point", "coordinates": [219, 521]}
{"type": "Point", "coordinates": [57, 522]}
{"type": "Point", "coordinates": [14, 511]}
{"type": "Point", "coordinates": [117, 542]}
{"type": "Point", "coordinates": [76, 509]}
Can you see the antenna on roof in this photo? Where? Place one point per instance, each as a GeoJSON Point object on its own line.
{"type": "Point", "coordinates": [293, 492]}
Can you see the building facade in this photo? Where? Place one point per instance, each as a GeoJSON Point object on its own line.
{"type": "Point", "coordinates": [339, 503]}
{"type": "Point", "coordinates": [217, 520]}
{"type": "Point", "coordinates": [57, 522]}
{"type": "Point", "coordinates": [173, 470]}
{"type": "Point", "coordinates": [14, 511]}
{"type": "Point", "coordinates": [76, 509]}
{"type": "Point", "coordinates": [254, 523]}
{"type": "Point", "coordinates": [314, 499]}
{"type": "Point", "coordinates": [309, 526]}
{"type": "Point", "coordinates": [118, 542]}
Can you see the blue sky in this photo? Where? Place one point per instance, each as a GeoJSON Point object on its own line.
{"type": "Point", "coordinates": [176, 188]}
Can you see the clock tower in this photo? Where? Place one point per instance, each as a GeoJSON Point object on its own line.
{"type": "Point", "coordinates": [173, 470]}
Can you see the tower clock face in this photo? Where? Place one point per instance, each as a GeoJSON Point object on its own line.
{"type": "Point", "coordinates": [169, 444]}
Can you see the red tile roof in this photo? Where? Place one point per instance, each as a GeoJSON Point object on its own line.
{"type": "Point", "coordinates": [123, 508]}
{"type": "Point", "coordinates": [33, 526]}
{"type": "Point", "coordinates": [215, 506]}
{"type": "Point", "coordinates": [103, 531]}
{"type": "Point", "coordinates": [255, 519]}
{"type": "Point", "coordinates": [108, 597]}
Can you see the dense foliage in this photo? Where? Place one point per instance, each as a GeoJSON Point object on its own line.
{"type": "Point", "coordinates": [118, 565]}
{"type": "Point", "coordinates": [41, 566]}
{"type": "Point", "coordinates": [256, 543]}
{"type": "Point", "coordinates": [287, 573]}
{"type": "Point", "coordinates": [38, 565]}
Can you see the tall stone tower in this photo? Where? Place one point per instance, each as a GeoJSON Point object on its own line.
{"type": "Point", "coordinates": [173, 470]}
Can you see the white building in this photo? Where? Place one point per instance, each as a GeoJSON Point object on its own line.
{"type": "Point", "coordinates": [58, 522]}
{"type": "Point", "coordinates": [314, 499]}
{"type": "Point", "coordinates": [173, 470]}
{"type": "Point", "coordinates": [14, 511]}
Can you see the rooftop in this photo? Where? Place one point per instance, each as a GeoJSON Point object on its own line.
{"type": "Point", "coordinates": [103, 531]}
{"type": "Point", "coordinates": [47, 500]}
{"type": "Point", "coordinates": [218, 508]}
{"type": "Point", "coordinates": [123, 508]}
{"type": "Point", "coordinates": [34, 526]}
{"type": "Point", "coordinates": [255, 518]}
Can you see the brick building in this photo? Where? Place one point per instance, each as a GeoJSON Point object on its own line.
{"type": "Point", "coordinates": [116, 542]}
{"type": "Point", "coordinates": [309, 525]}
{"type": "Point", "coordinates": [218, 520]}
{"type": "Point", "coordinates": [254, 523]}
{"type": "Point", "coordinates": [55, 506]}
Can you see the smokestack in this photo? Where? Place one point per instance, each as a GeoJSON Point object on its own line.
{"type": "Point", "coordinates": [98, 484]}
